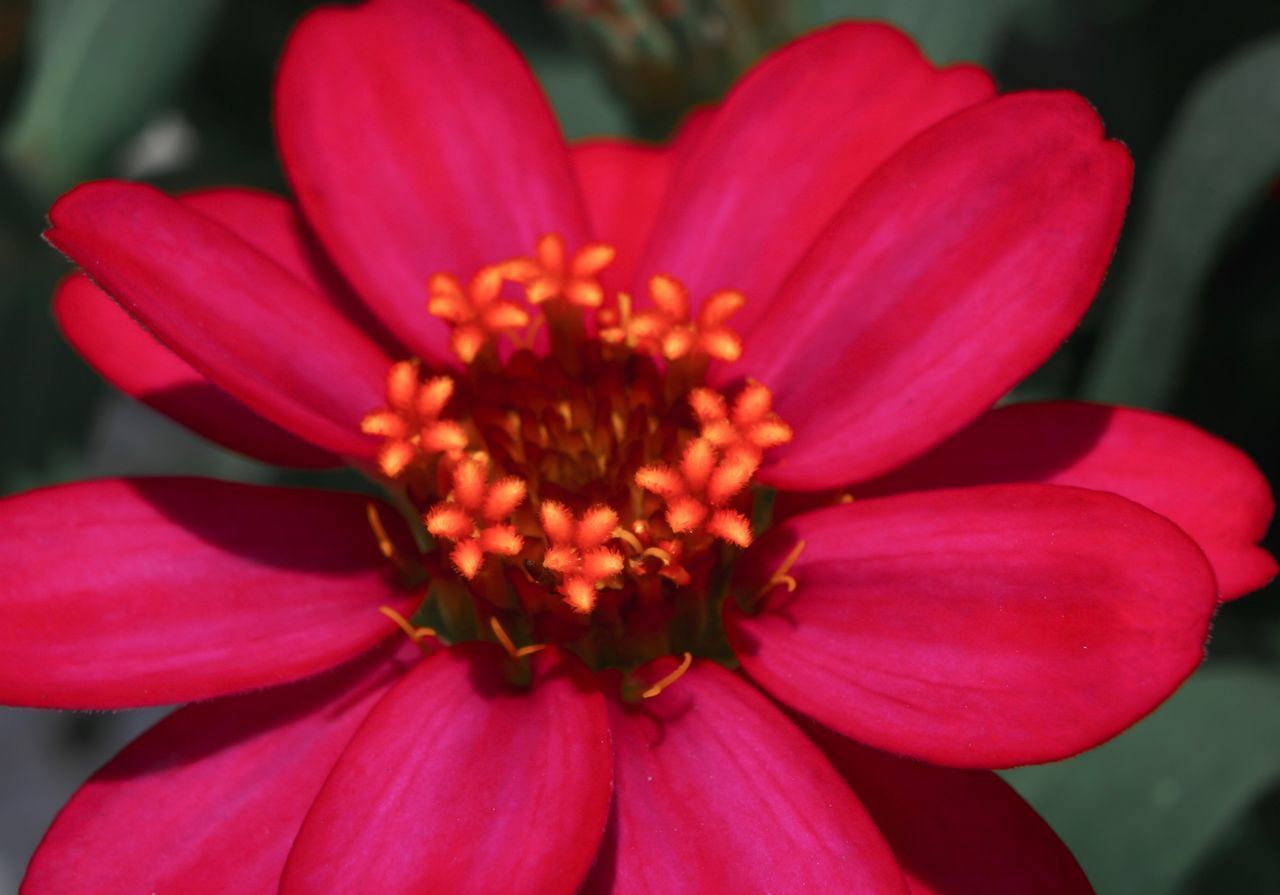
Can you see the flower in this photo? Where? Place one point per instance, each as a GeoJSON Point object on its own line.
{"type": "Point", "coordinates": [588, 379]}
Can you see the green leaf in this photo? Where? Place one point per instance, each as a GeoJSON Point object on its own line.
{"type": "Point", "coordinates": [1220, 158]}
{"type": "Point", "coordinates": [98, 69]}
{"type": "Point", "coordinates": [1141, 811]}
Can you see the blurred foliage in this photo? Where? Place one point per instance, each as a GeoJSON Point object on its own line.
{"type": "Point", "coordinates": [178, 92]}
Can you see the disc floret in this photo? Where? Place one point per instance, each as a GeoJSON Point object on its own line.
{"type": "Point", "coordinates": [595, 487]}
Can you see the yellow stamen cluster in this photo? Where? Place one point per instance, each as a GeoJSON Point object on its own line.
{"type": "Point", "coordinates": [579, 429]}
{"type": "Point", "coordinates": [477, 314]}
{"type": "Point", "coordinates": [411, 422]}
{"type": "Point", "coordinates": [552, 274]}
{"type": "Point", "coordinates": [718, 464]}
{"type": "Point", "coordinates": [476, 516]}
{"type": "Point", "coordinates": [669, 329]}
{"type": "Point", "coordinates": [577, 550]}
{"type": "Point", "coordinates": [751, 426]}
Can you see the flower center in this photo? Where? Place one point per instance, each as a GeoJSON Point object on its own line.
{"type": "Point", "coordinates": [578, 481]}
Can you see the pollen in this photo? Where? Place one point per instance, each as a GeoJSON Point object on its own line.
{"type": "Point", "coordinates": [411, 423]}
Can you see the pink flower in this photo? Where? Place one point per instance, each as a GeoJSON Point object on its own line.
{"type": "Point", "coordinates": [575, 370]}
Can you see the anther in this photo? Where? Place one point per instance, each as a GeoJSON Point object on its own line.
{"type": "Point", "coordinates": [669, 679]}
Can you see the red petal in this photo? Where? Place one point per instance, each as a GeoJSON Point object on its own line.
{"type": "Point", "coordinates": [980, 627]}
{"type": "Point", "coordinates": [460, 782]}
{"type": "Point", "coordinates": [955, 269]}
{"type": "Point", "coordinates": [428, 149]}
{"type": "Point", "coordinates": [955, 832]}
{"type": "Point", "coordinates": [716, 791]}
{"type": "Point", "coordinates": [1208, 487]}
{"type": "Point", "coordinates": [624, 185]}
{"type": "Point", "coordinates": [233, 313]}
{"type": "Point", "coordinates": [275, 226]}
{"type": "Point", "coordinates": [123, 593]}
{"type": "Point", "coordinates": [210, 799]}
{"type": "Point", "coordinates": [132, 360]}
{"type": "Point", "coordinates": [786, 149]}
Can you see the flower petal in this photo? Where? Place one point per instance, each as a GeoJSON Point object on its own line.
{"type": "Point", "coordinates": [952, 272]}
{"type": "Point", "coordinates": [150, 591]}
{"type": "Point", "coordinates": [128, 357]}
{"type": "Point", "coordinates": [979, 627]}
{"type": "Point", "coordinates": [623, 184]}
{"type": "Point", "coordinates": [788, 146]}
{"type": "Point", "coordinates": [211, 798]}
{"type": "Point", "coordinates": [716, 791]}
{"type": "Point", "coordinates": [240, 318]}
{"type": "Point", "coordinates": [429, 149]}
{"type": "Point", "coordinates": [955, 832]}
{"type": "Point", "coordinates": [460, 782]}
{"type": "Point", "coordinates": [1208, 487]}
{"type": "Point", "coordinates": [275, 226]}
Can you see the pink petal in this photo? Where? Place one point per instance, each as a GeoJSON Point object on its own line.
{"type": "Point", "coordinates": [151, 591]}
{"type": "Point", "coordinates": [953, 272]}
{"type": "Point", "coordinates": [275, 226]}
{"type": "Point", "coordinates": [1208, 487]}
{"type": "Point", "coordinates": [243, 320]}
{"type": "Point", "coordinates": [459, 781]}
{"type": "Point", "coordinates": [979, 627]}
{"type": "Point", "coordinates": [716, 791]}
{"type": "Point", "coordinates": [623, 184]}
{"type": "Point", "coordinates": [211, 798]}
{"type": "Point", "coordinates": [788, 147]}
{"type": "Point", "coordinates": [428, 149]}
{"type": "Point", "coordinates": [955, 832]}
{"type": "Point", "coordinates": [132, 360]}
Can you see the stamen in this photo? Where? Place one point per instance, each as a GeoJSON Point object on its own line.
{"type": "Point", "coordinates": [386, 546]}
{"type": "Point", "coordinates": [782, 576]}
{"type": "Point", "coordinates": [417, 635]}
{"type": "Point", "coordinates": [670, 679]}
{"type": "Point", "coordinates": [507, 644]}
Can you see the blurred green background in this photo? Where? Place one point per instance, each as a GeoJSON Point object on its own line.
{"type": "Point", "coordinates": [176, 92]}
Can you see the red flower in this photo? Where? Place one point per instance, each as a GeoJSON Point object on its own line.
{"type": "Point", "coordinates": [963, 586]}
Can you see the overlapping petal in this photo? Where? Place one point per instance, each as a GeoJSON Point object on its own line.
{"type": "Point", "coordinates": [210, 799]}
{"type": "Point", "coordinates": [459, 781]}
{"type": "Point", "coordinates": [951, 273]}
{"type": "Point", "coordinates": [133, 361]}
{"type": "Point", "coordinates": [716, 791]}
{"type": "Point", "coordinates": [241, 318]}
{"type": "Point", "coordinates": [429, 148]}
{"type": "Point", "coordinates": [151, 591]}
{"type": "Point", "coordinates": [788, 146]}
{"type": "Point", "coordinates": [623, 184]}
{"type": "Point", "coordinates": [955, 832]}
{"type": "Point", "coordinates": [978, 627]}
{"type": "Point", "coordinates": [1208, 487]}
